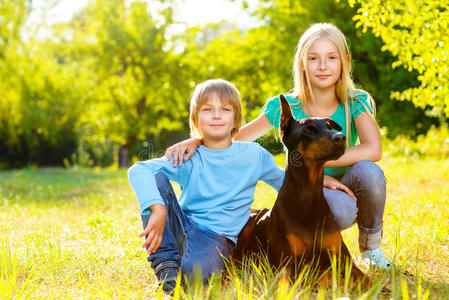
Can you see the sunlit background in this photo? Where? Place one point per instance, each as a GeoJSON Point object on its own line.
{"type": "Point", "coordinates": [103, 82]}
{"type": "Point", "coordinates": [87, 87]}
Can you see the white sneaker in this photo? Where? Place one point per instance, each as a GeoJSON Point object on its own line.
{"type": "Point", "coordinates": [375, 259]}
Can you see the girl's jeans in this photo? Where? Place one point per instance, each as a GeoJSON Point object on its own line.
{"type": "Point", "coordinates": [183, 243]}
{"type": "Point", "coordinates": [367, 181]}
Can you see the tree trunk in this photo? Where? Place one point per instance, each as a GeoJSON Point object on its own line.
{"type": "Point", "coordinates": [123, 152]}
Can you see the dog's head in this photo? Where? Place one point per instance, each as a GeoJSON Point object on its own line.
{"type": "Point", "coordinates": [312, 138]}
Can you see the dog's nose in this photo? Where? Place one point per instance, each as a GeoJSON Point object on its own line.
{"type": "Point", "coordinates": [338, 137]}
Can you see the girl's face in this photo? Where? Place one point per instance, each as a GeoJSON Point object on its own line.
{"type": "Point", "coordinates": [323, 64]}
{"type": "Point", "coordinates": [216, 119]}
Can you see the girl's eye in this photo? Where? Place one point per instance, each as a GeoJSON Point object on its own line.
{"type": "Point", "coordinates": [333, 57]}
{"type": "Point", "coordinates": [312, 58]}
{"type": "Point", "coordinates": [206, 109]}
{"type": "Point", "coordinates": [226, 109]}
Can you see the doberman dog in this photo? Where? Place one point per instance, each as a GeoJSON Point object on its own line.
{"type": "Point", "coordinates": [300, 227]}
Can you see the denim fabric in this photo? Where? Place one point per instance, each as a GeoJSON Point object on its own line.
{"type": "Point", "coordinates": [367, 181]}
{"type": "Point", "coordinates": [183, 242]}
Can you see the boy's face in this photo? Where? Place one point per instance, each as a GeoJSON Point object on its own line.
{"type": "Point", "coordinates": [216, 119]}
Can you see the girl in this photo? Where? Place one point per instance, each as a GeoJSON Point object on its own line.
{"type": "Point", "coordinates": [323, 88]}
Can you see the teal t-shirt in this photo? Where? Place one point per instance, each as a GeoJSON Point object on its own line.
{"type": "Point", "coordinates": [273, 113]}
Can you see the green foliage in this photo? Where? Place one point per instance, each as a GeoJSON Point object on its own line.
{"type": "Point", "coordinates": [115, 76]}
{"type": "Point", "coordinates": [135, 87]}
{"type": "Point", "coordinates": [417, 33]}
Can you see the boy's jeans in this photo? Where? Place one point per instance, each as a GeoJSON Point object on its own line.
{"type": "Point", "coordinates": [183, 243]}
{"type": "Point", "coordinates": [367, 181]}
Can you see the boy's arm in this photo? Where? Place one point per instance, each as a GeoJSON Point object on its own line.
{"type": "Point", "coordinates": [155, 228]}
{"type": "Point", "coordinates": [142, 177]}
{"type": "Point", "coordinates": [271, 173]}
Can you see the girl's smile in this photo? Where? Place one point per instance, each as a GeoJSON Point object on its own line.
{"type": "Point", "coordinates": [323, 64]}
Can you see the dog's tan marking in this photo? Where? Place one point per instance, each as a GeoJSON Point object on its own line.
{"type": "Point", "coordinates": [316, 148]}
{"type": "Point", "coordinates": [332, 242]}
{"type": "Point", "coordinates": [298, 244]}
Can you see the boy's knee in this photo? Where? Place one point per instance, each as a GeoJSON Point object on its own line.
{"type": "Point", "coordinates": [164, 186]}
{"type": "Point", "coordinates": [161, 179]}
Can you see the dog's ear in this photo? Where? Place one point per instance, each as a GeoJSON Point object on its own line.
{"type": "Point", "coordinates": [286, 116]}
{"type": "Point", "coordinates": [331, 124]}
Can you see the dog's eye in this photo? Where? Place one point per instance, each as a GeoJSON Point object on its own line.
{"type": "Point", "coordinates": [311, 129]}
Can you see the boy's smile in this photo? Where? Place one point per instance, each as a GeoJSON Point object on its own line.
{"type": "Point", "coordinates": [215, 122]}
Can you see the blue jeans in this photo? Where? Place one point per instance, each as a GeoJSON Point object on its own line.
{"type": "Point", "coordinates": [183, 243]}
{"type": "Point", "coordinates": [367, 181]}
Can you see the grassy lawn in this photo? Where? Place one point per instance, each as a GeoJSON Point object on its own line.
{"type": "Point", "coordinates": [72, 233]}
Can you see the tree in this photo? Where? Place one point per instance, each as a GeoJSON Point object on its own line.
{"type": "Point", "coordinates": [417, 32]}
{"type": "Point", "coordinates": [135, 84]}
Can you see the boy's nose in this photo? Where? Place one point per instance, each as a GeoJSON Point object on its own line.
{"type": "Point", "coordinates": [216, 114]}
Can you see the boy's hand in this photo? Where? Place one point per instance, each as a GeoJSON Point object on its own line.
{"type": "Point", "coordinates": [155, 228]}
{"type": "Point", "coordinates": [178, 150]}
{"type": "Point", "coordinates": [334, 184]}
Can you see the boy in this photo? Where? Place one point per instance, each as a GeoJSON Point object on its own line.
{"type": "Point", "coordinates": [217, 183]}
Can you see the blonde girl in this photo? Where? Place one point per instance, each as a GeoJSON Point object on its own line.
{"type": "Point", "coordinates": [323, 87]}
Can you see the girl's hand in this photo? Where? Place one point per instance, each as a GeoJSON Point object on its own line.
{"type": "Point", "coordinates": [155, 228]}
{"type": "Point", "coordinates": [334, 184]}
{"type": "Point", "coordinates": [178, 150]}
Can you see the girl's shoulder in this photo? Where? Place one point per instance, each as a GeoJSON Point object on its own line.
{"type": "Point", "coordinates": [359, 95]}
{"type": "Point", "coordinates": [360, 101]}
{"type": "Point", "coordinates": [272, 109]}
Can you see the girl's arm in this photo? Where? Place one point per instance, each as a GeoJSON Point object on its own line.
{"type": "Point", "coordinates": [247, 133]}
{"type": "Point", "coordinates": [253, 129]}
{"type": "Point", "coordinates": [370, 147]}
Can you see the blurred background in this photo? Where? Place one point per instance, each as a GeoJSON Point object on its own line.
{"type": "Point", "coordinates": [108, 82]}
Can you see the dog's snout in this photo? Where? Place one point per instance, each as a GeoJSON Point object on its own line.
{"type": "Point", "coordinates": [338, 137]}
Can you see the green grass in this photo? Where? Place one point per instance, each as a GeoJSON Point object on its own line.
{"type": "Point", "coordinates": [72, 233]}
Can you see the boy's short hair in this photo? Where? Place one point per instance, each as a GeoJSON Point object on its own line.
{"type": "Point", "coordinates": [225, 91]}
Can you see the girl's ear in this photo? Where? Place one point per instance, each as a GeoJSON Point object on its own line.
{"type": "Point", "coordinates": [286, 116]}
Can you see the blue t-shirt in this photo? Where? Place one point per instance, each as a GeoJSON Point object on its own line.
{"type": "Point", "coordinates": [217, 185]}
{"type": "Point", "coordinates": [356, 106]}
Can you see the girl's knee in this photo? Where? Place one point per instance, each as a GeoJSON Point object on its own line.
{"type": "Point", "coordinates": [346, 216]}
{"type": "Point", "coordinates": [342, 206]}
{"type": "Point", "coordinates": [370, 173]}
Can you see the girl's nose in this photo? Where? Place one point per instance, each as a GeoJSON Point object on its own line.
{"type": "Point", "coordinates": [322, 65]}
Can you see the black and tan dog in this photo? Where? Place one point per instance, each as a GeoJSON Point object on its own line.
{"type": "Point", "coordinates": [300, 227]}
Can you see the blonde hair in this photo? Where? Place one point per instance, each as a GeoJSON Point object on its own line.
{"type": "Point", "coordinates": [345, 88]}
{"type": "Point", "coordinates": [225, 91]}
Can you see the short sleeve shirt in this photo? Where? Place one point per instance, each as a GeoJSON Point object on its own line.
{"type": "Point", "coordinates": [357, 106]}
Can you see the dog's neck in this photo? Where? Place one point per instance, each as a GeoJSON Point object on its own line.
{"type": "Point", "coordinates": [303, 190]}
